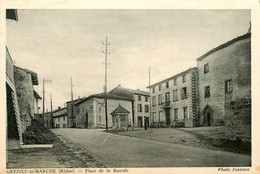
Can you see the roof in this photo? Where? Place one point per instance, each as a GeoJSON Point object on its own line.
{"type": "Point", "coordinates": [11, 14]}
{"type": "Point", "coordinates": [103, 96]}
{"type": "Point", "coordinates": [120, 110]}
{"type": "Point", "coordinates": [62, 115]}
{"type": "Point", "coordinates": [172, 77]}
{"type": "Point", "coordinates": [247, 35]}
{"type": "Point", "coordinates": [110, 96]}
{"type": "Point", "coordinates": [140, 92]}
{"type": "Point", "coordinates": [56, 110]}
{"type": "Point", "coordinates": [33, 74]}
{"type": "Point", "coordinates": [36, 95]}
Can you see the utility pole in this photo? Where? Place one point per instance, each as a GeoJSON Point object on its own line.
{"type": "Point", "coordinates": [51, 121]}
{"type": "Point", "coordinates": [105, 87]}
{"type": "Point", "coordinates": [150, 99]}
{"type": "Point", "coordinates": [72, 104]}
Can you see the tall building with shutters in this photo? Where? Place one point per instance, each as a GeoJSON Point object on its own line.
{"type": "Point", "coordinates": [175, 100]}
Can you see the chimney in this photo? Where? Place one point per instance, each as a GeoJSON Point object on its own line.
{"type": "Point", "coordinates": [118, 85]}
{"type": "Point", "coordinates": [59, 107]}
{"type": "Point", "coordinates": [46, 110]}
{"type": "Point", "coordinates": [78, 98]}
{"type": "Point", "coordinates": [138, 89]}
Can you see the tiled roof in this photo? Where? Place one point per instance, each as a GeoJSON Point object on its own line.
{"type": "Point", "coordinates": [36, 95]}
{"type": "Point", "coordinates": [103, 96]}
{"type": "Point", "coordinates": [110, 96]}
{"type": "Point", "coordinates": [120, 110]}
{"type": "Point", "coordinates": [172, 77]}
{"type": "Point", "coordinates": [140, 92]}
{"type": "Point", "coordinates": [247, 35]}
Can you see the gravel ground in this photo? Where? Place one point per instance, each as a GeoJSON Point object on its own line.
{"type": "Point", "coordinates": [207, 137]}
{"type": "Point", "coordinates": [64, 154]}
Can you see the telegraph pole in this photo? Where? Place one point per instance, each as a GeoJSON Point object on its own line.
{"type": "Point", "coordinates": [150, 100]}
{"type": "Point", "coordinates": [71, 92]}
{"type": "Point", "coordinates": [43, 99]}
{"type": "Point", "coordinates": [105, 87]}
{"type": "Point", "coordinates": [51, 121]}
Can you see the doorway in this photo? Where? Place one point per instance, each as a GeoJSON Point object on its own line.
{"type": "Point", "coordinates": [168, 116]}
{"type": "Point", "coordinates": [86, 120]}
{"type": "Point", "coordinates": [208, 116]}
{"type": "Point", "coordinates": [140, 122]}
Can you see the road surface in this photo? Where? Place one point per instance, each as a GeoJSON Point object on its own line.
{"type": "Point", "coordinates": [122, 151]}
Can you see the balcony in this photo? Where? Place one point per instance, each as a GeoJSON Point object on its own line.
{"type": "Point", "coordinates": [166, 105]}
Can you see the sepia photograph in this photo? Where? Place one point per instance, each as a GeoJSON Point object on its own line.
{"type": "Point", "coordinates": [128, 88]}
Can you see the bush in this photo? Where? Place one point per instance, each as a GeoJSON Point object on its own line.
{"type": "Point", "coordinates": [36, 133]}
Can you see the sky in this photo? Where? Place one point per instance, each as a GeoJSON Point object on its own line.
{"type": "Point", "coordinates": [60, 44]}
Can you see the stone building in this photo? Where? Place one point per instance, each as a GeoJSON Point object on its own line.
{"type": "Point", "coordinates": [224, 74]}
{"type": "Point", "coordinates": [140, 103]}
{"type": "Point", "coordinates": [60, 118]}
{"type": "Point", "coordinates": [27, 97]}
{"type": "Point", "coordinates": [120, 118]}
{"type": "Point", "coordinates": [175, 100]}
{"type": "Point", "coordinates": [90, 111]}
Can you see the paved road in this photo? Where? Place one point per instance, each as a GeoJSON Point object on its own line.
{"type": "Point", "coordinates": [121, 151]}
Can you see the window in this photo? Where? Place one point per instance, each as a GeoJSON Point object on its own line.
{"type": "Point", "coordinates": [139, 108]}
{"type": "Point", "coordinates": [159, 99]}
{"type": "Point", "coordinates": [185, 112]}
{"type": "Point", "coordinates": [207, 91]}
{"type": "Point", "coordinates": [100, 110]}
{"type": "Point", "coordinates": [184, 78]}
{"type": "Point", "coordinates": [146, 108]}
{"type": "Point", "coordinates": [100, 118]}
{"type": "Point", "coordinates": [175, 81]}
{"type": "Point", "coordinates": [146, 99]}
{"type": "Point", "coordinates": [175, 95]}
{"type": "Point", "coordinates": [139, 98]}
{"type": "Point", "coordinates": [153, 89]}
{"type": "Point", "coordinates": [63, 118]}
{"type": "Point", "coordinates": [206, 68]}
{"type": "Point", "coordinates": [91, 107]}
{"type": "Point", "coordinates": [167, 97]}
{"type": "Point", "coordinates": [184, 93]}
{"type": "Point", "coordinates": [154, 100]}
{"type": "Point", "coordinates": [175, 114]}
{"type": "Point", "coordinates": [160, 87]}
{"type": "Point", "coordinates": [167, 84]}
{"type": "Point", "coordinates": [58, 118]}
{"type": "Point", "coordinates": [78, 111]}
{"type": "Point", "coordinates": [228, 86]}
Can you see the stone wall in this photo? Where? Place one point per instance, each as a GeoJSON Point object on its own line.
{"type": "Point", "coordinates": [25, 95]}
{"type": "Point", "coordinates": [238, 120]}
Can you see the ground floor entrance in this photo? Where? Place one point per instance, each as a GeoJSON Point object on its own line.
{"type": "Point", "coordinates": [208, 116]}
{"type": "Point", "coordinates": [140, 122]}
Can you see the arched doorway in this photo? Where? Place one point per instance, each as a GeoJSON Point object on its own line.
{"type": "Point", "coordinates": [208, 116]}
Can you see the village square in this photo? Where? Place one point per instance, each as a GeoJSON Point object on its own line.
{"type": "Point", "coordinates": [140, 102]}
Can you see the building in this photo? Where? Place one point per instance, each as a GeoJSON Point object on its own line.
{"type": "Point", "coordinates": [224, 74]}
{"type": "Point", "coordinates": [71, 112]}
{"type": "Point", "coordinates": [27, 97]}
{"type": "Point", "coordinates": [120, 118]}
{"type": "Point", "coordinates": [90, 111]}
{"type": "Point", "coordinates": [60, 118]}
{"type": "Point", "coordinates": [175, 100]}
{"type": "Point", "coordinates": [14, 129]}
{"type": "Point", "coordinates": [140, 103]}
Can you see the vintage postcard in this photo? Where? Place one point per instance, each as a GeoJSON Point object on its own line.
{"type": "Point", "coordinates": [130, 87]}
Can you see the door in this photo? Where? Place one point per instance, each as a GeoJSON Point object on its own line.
{"type": "Point", "coordinates": [140, 122]}
{"type": "Point", "coordinates": [208, 116]}
{"type": "Point", "coordinates": [146, 121]}
{"type": "Point", "coordinates": [86, 120]}
{"type": "Point", "coordinates": [168, 116]}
